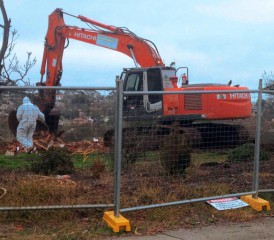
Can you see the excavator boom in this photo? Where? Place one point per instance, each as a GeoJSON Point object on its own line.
{"type": "Point", "coordinates": [142, 51]}
{"type": "Point", "coordinates": [122, 40]}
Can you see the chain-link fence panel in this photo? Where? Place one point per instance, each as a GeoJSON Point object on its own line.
{"type": "Point", "coordinates": [184, 157]}
{"type": "Point", "coordinates": [267, 143]}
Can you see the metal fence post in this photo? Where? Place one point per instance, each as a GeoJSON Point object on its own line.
{"type": "Point", "coordinates": [257, 143]}
{"type": "Point", "coordinates": [118, 144]}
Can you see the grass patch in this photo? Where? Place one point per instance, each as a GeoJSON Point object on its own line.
{"type": "Point", "coordinates": [23, 161]}
{"type": "Point", "coordinates": [82, 162]}
{"type": "Point", "coordinates": [246, 153]}
{"type": "Point", "coordinates": [17, 162]}
{"type": "Point", "coordinates": [206, 157]}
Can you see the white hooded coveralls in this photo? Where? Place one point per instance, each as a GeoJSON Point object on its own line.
{"type": "Point", "coordinates": [27, 114]}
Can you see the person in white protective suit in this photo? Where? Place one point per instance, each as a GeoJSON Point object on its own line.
{"type": "Point", "coordinates": [27, 114]}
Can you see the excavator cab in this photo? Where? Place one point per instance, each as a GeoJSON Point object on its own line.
{"type": "Point", "coordinates": [146, 79]}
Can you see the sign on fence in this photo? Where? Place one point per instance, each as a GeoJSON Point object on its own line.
{"type": "Point", "coordinates": [227, 203]}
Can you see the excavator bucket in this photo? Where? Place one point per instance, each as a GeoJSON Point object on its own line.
{"type": "Point", "coordinates": [51, 123]}
{"type": "Point", "coordinates": [52, 120]}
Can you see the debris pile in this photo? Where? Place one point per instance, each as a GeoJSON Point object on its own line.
{"type": "Point", "coordinates": [48, 181]}
{"type": "Point", "coordinates": [43, 140]}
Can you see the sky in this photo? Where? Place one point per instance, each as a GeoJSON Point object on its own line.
{"type": "Point", "coordinates": [218, 40]}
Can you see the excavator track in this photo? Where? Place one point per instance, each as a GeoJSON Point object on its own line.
{"type": "Point", "coordinates": [220, 135]}
{"type": "Point", "coordinates": [206, 135]}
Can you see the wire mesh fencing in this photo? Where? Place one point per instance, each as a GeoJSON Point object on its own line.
{"type": "Point", "coordinates": [267, 143]}
{"type": "Point", "coordinates": [70, 167]}
{"type": "Point", "coordinates": [165, 162]}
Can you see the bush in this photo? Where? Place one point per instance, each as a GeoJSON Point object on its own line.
{"type": "Point", "coordinates": [175, 153]}
{"type": "Point", "coordinates": [98, 167]}
{"type": "Point", "coordinates": [53, 161]}
{"type": "Point", "coordinates": [246, 153]}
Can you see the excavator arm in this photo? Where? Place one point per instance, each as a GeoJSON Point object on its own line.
{"type": "Point", "coordinates": [142, 51]}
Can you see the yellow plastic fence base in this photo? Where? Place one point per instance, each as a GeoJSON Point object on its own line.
{"type": "Point", "coordinates": [116, 223]}
{"type": "Point", "coordinates": [257, 204]}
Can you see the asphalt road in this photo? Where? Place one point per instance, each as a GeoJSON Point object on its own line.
{"type": "Point", "coordinates": [259, 230]}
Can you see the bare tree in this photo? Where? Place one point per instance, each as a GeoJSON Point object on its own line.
{"type": "Point", "coordinates": [11, 72]}
{"type": "Point", "coordinates": [268, 80]}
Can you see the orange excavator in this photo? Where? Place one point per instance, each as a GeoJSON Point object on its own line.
{"type": "Point", "coordinates": [149, 74]}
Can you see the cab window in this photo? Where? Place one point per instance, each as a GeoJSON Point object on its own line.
{"type": "Point", "coordinates": [154, 82]}
{"type": "Point", "coordinates": [134, 82]}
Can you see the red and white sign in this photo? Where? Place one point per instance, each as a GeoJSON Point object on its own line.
{"type": "Point", "coordinates": [227, 203]}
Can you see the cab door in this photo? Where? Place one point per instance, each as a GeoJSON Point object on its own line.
{"type": "Point", "coordinates": [133, 82]}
